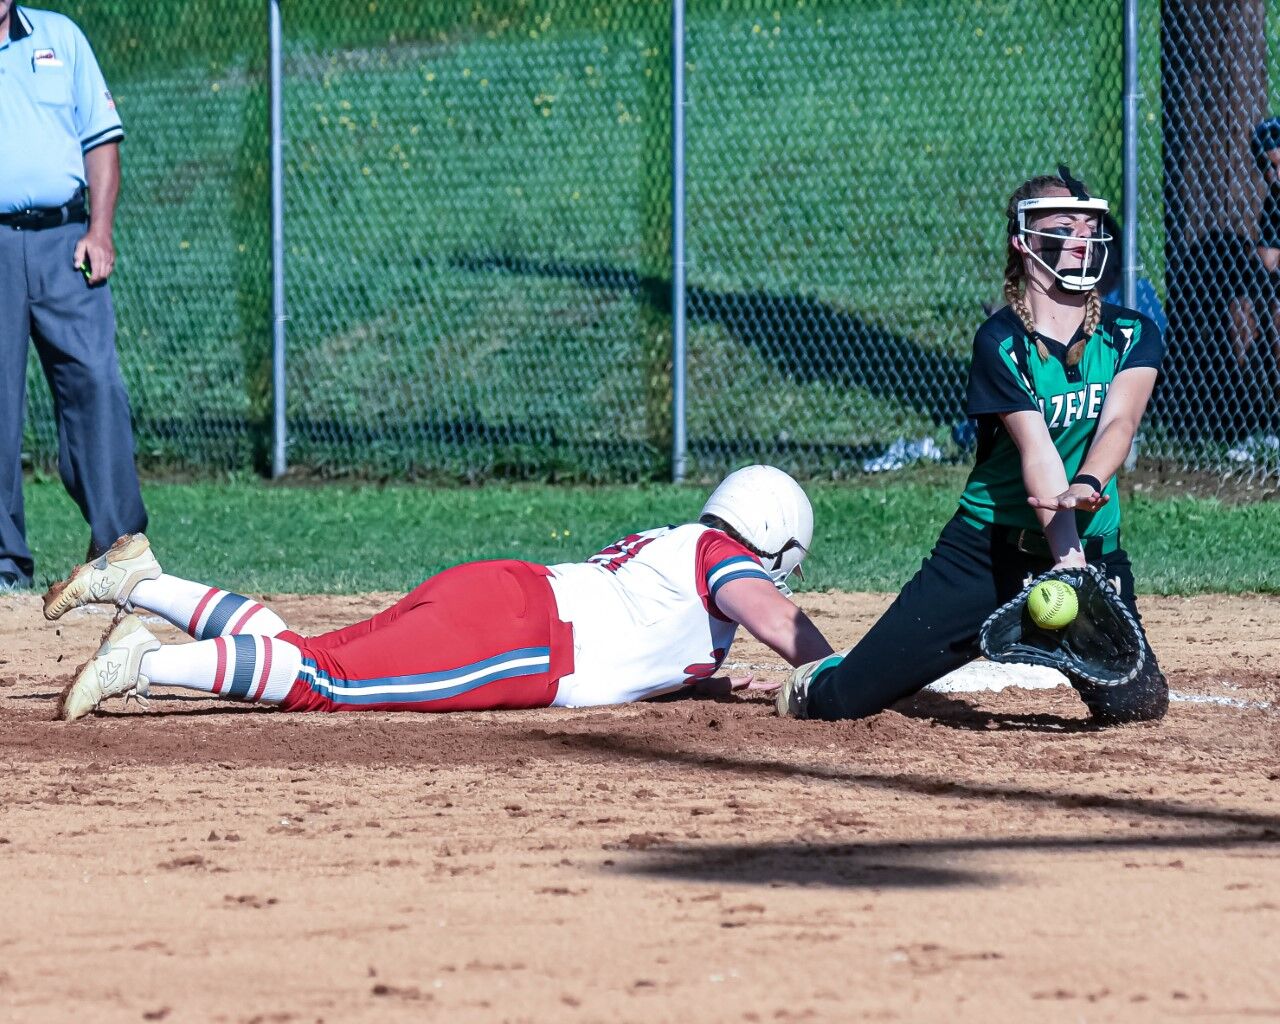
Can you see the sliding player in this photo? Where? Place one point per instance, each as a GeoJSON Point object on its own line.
{"type": "Point", "coordinates": [648, 615]}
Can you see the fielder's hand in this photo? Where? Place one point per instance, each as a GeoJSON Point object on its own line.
{"type": "Point", "coordinates": [97, 248]}
{"type": "Point", "coordinates": [1081, 497]}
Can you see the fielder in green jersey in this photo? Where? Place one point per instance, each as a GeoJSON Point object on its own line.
{"type": "Point", "coordinates": [1015, 369]}
{"type": "Point", "coordinates": [1058, 385]}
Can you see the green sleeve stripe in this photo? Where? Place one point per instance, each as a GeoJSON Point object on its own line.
{"type": "Point", "coordinates": [1006, 350]}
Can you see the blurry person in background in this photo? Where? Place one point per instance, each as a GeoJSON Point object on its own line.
{"type": "Point", "coordinates": [1111, 285]}
{"type": "Point", "coordinates": [1223, 342]}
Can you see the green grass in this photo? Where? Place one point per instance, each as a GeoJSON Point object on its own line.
{"type": "Point", "coordinates": [257, 537]}
{"type": "Point", "coordinates": [849, 160]}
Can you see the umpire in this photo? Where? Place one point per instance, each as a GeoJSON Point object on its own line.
{"type": "Point", "coordinates": [59, 179]}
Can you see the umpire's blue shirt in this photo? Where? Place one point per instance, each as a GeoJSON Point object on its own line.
{"type": "Point", "coordinates": [54, 108]}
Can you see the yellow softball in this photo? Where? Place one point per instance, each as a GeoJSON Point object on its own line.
{"type": "Point", "coordinates": [1052, 604]}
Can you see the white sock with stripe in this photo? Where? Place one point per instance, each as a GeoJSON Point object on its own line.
{"type": "Point", "coordinates": [244, 667]}
{"type": "Point", "coordinates": [205, 612]}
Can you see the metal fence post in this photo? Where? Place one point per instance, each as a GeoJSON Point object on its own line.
{"type": "Point", "coordinates": [279, 462]}
{"type": "Point", "coordinates": [1129, 199]}
{"type": "Point", "coordinates": [679, 443]}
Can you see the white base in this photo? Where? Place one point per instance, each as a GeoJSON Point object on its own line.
{"type": "Point", "coordinates": [987, 676]}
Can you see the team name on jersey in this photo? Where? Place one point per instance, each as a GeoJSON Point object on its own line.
{"type": "Point", "coordinates": [1084, 404]}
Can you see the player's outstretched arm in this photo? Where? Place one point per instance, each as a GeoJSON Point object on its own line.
{"type": "Point", "coordinates": [1122, 411]}
{"type": "Point", "coordinates": [773, 620]}
{"type": "Point", "coordinates": [1048, 492]}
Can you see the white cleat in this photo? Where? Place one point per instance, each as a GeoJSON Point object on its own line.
{"type": "Point", "coordinates": [108, 579]}
{"type": "Point", "coordinates": [793, 699]}
{"type": "Point", "coordinates": [115, 671]}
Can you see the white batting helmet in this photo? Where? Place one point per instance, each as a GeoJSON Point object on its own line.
{"type": "Point", "coordinates": [771, 513]}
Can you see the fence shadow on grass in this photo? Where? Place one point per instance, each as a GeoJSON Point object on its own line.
{"type": "Point", "coordinates": [804, 338]}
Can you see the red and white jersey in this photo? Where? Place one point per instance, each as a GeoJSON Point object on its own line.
{"type": "Point", "coordinates": [643, 613]}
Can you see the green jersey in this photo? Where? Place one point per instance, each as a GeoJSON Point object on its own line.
{"type": "Point", "coordinates": [1008, 374]}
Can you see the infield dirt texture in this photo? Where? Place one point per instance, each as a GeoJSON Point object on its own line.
{"type": "Point", "coordinates": [969, 857]}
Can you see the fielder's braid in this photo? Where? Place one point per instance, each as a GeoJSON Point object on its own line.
{"type": "Point", "coordinates": [1015, 296]}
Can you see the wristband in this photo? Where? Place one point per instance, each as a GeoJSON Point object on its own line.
{"type": "Point", "coordinates": [1085, 478]}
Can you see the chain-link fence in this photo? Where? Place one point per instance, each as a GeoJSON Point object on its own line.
{"type": "Point", "coordinates": [1221, 220]}
{"type": "Point", "coordinates": [478, 227]}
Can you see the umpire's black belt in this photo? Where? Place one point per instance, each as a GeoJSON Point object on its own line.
{"type": "Point", "coordinates": [42, 217]}
{"type": "Point", "coordinates": [1034, 543]}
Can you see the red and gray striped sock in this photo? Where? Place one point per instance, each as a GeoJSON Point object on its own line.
{"type": "Point", "coordinates": [205, 612]}
{"type": "Point", "coordinates": [243, 667]}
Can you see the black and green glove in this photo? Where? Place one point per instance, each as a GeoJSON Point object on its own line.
{"type": "Point", "coordinates": [1102, 645]}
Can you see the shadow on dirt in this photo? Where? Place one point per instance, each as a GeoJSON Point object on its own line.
{"type": "Point", "coordinates": [883, 865]}
{"type": "Point", "coordinates": [1252, 827]}
{"type": "Point", "coordinates": [843, 865]}
{"type": "Point", "coordinates": [951, 713]}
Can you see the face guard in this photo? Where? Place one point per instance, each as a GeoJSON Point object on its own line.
{"type": "Point", "coordinates": [1049, 246]}
{"type": "Point", "coordinates": [784, 563]}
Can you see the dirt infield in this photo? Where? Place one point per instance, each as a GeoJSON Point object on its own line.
{"type": "Point", "coordinates": [974, 857]}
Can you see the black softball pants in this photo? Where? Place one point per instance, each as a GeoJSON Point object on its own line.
{"type": "Point", "coordinates": [932, 629]}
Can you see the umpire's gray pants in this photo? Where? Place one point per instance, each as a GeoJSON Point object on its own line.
{"type": "Point", "coordinates": [44, 298]}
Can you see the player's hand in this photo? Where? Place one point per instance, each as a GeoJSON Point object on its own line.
{"type": "Point", "coordinates": [722, 686]}
{"type": "Point", "coordinates": [97, 248]}
{"type": "Point", "coordinates": [1080, 497]}
{"type": "Point", "coordinates": [753, 685]}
